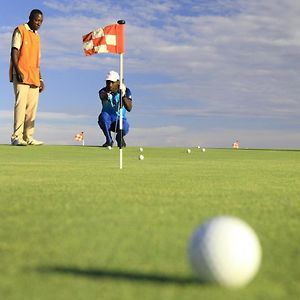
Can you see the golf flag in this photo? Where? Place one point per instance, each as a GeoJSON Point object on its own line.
{"type": "Point", "coordinates": [236, 145]}
{"type": "Point", "coordinates": [109, 39]}
{"type": "Point", "coordinates": [80, 137]}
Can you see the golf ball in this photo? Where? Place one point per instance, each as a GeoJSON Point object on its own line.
{"type": "Point", "coordinates": [198, 147]}
{"type": "Point", "coordinates": [226, 251]}
{"type": "Point", "coordinates": [141, 157]}
{"type": "Point", "coordinates": [203, 149]}
{"type": "Point", "coordinates": [109, 148]}
{"type": "Point", "coordinates": [188, 151]}
{"type": "Point", "coordinates": [141, 149]}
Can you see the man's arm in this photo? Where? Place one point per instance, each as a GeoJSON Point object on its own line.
{"type": "Point", "coordinates": [14, 60]}
{"type": "Point", "coordinates": [126, 97]}
{"type": "Point", "coordinates": [15, 52]}
{"type": "Point", "coordinates": [127, 102]}
{"type": "Point", "coordinates": [103, 95]}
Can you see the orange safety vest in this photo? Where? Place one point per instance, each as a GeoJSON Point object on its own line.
{"type": "Point", "coordinates": [29, 57]}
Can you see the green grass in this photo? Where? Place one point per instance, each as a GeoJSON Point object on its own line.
{"type": "Point", "coordinates": [75, 226]}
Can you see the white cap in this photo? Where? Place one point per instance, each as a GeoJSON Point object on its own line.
{"type": "Point", "coordinates": [112, 76]}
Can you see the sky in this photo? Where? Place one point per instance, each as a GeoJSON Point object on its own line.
{"type": "Point", "coordinates": [201, 72]}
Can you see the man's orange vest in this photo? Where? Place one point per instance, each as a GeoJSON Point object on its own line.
{"type": "Point", "coordinates": [29, 58]}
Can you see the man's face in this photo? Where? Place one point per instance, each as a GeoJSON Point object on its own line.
{"type": "Point", "coordinates": [35, 22]}
{"type": "Point", "coordinates": [112, 86]}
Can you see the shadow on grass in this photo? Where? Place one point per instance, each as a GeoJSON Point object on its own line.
{"type": "Point", "coordinates": [120, 275]}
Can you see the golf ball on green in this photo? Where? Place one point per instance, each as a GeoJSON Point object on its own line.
{"type": "Point", "coordinates": [225, 251]}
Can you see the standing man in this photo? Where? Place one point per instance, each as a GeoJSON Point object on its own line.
{"type": "Point", "coordinates": [109, 117]}
{"type": "Point", "coordinates": [26, 77]}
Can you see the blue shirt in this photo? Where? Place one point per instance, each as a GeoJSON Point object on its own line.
{"type": "Point", "coordinates": [111, 106]}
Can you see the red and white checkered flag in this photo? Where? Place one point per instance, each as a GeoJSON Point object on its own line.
{"type": "Point", "coordinates": [236, 145]}
{"type": "Point", "coordinates": [79, 137]}
{"type": "Point", "coordinates": [109, 39]}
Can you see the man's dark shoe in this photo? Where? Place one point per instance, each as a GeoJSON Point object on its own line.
{"type": "Point", "coordinates": [123, 143]}
{"type": "Point", "coordinates": [108, 144]}
{"type": "Point", "coordinates": [120, 141]}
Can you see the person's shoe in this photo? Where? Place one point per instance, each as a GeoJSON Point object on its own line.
{"type": "Point", "coordinates": [121, 142]}
{"type": "Point", "coordinates": [108, 144]}
{"type": "Point", "coordinates": [18, 142]}
{"type": "Point", "coordinates": [34, 142]}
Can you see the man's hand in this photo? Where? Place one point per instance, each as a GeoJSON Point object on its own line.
{"type": "Point", "coordinates": [104, 95]}
{"type": "Point", "coordinates": [123, 89]}
{"type": "Point", "coordinates": [19, 76]}
{"type": "Point", "coordinates": [42, 86]}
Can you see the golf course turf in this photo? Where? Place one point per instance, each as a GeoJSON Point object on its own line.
{"type": "Point", "coordinates": [75, 226]}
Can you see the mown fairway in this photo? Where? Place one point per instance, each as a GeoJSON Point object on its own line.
{"type": "Point", "coordinates": [75, 226]}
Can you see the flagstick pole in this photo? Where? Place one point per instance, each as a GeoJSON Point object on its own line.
{"type": "Point", "coordinates": [121, 104]}
{"type": "Point", "coordinates": [121, 111]}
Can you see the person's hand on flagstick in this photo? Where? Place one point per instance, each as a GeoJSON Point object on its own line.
{"type": "Point", "coordinates": [125, 101]}
{"type": "Point", "coordinates": [123, 89]}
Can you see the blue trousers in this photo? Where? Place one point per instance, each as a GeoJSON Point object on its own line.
{"type": "Point", "coordinates": [110, 123]}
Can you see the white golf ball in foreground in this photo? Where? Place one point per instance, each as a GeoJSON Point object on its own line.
{"type": "Point", "coordinates": [188, 151]}
{"type": "Point", "coordinates": [203, 149]}
{"type": "Point", "coordinates": [141, 157]}
{"type": "Point", "coordinates": [141, 149]}
{"type": "Point", "coordinates": [109, 147]}
{"type": "Point", "coordinates": [226, 251]}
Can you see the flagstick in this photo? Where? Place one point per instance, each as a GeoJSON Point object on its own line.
{"type": "Point", "coordinates": [121, 111]}
{"type": "Point", "coordinates": [121, 104]}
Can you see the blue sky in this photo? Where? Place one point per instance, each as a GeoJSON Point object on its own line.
{"type": "Point", "coordinates": [203, 72]}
